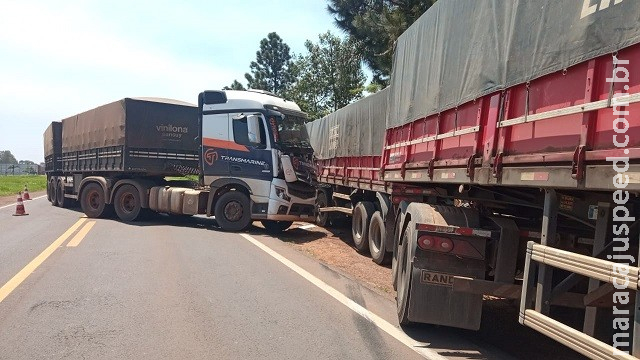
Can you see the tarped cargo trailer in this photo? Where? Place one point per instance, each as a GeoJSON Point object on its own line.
{"type": "Point", "coordinates": [348, 142]}
{"type": "Point", "coordinates": [512, 145]}
{"type": "Point", "coordinates": [53, 147]}
{"type": "Point", "coordinates": [154, 136]}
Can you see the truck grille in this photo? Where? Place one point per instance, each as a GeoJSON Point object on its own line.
{"type": "Point", "coordinates": [301, 190]}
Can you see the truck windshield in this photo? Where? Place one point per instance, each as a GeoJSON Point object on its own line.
{"type": "Point", "coordinates": [291, 130]}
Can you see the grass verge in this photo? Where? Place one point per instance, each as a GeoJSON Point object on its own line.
{"type": "Point", "coordinates": [11, 185]}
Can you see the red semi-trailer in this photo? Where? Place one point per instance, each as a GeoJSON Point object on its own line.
{"type": "Point", "coordinates": [502, 160]}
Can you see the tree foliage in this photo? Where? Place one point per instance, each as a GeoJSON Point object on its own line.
{"type": "Point", "coordinates": [273, 69]}
{"type": "Point", "coordinates": [330, 76]}
{"type": "Point", "coordinates": [375, 25]}
{"type": "Point", "coordinates": [6, 157]}
{"type": "Point", "coordinates": [236, 85]}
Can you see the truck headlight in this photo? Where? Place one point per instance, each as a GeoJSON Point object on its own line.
{"type": "Point", "coordinates": [282, 194]}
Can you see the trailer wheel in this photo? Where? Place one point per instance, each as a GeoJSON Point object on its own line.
{"type": "Point", "coordinates": [360, 225]}
{"type": "Point", "coordinates": [394, 259]}
{"type": "Point", "coordinates": [377, 247]}
{"type": "Point", "coordinates": [127, 203]}
{"type": "Point", "coordinates": [62, 201]}
{"type": "Point", "coordinates": [274, 227]}
{"type": "Point", "coordinates": [92, 201]}
{"type": "Point", "coordinates": [49, 197]}
{"type": "Point", "coordinates": [232, 211]}
{"type": "Point", "coordinates": [404, 273]}
{"type": "Point", "coordinates": [322, 218]}
{"type": "Point", "coordinates": [52, 191]}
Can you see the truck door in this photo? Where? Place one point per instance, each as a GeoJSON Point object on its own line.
{"type": "Point", "coordinates": [215, 143]}
{"type": "Point", "coordinates": [252, 158]}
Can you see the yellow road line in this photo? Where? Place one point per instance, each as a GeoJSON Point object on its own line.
{"type": "Point", "coordinates": [7, 288]}
{"type": "Point", "coordinates": [81, 234]}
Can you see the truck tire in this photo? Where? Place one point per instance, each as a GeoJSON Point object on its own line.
{"type": "Point", "coordinates": [53, 189]}
{"type": "Point", "coordinates": [62, 201]}
{"type": "Point", "coordinates": [360, 225]}
{"type": "Point", "coordinates": [377, 233]}
{"type": "Point", "coordinates": [92, 201]}
{"type": "Point", "coordinates": [274, 227]}
{"type": "Point", "coordinates": [404, 274]}
{"type": "Point", "coordinates": [49, 195]}
{"type": "Point", "coordinates": [232, 211]}
{"type": "Point", "coordinates": [322, 218]}
{"type": "Point", "coordinates": [127, 203]}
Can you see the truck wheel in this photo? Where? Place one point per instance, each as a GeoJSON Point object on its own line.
{"type": "Point", "coordinates": [62, 201]}
{"type": "Point", "coordinates": [127, 203]}
{"type": "Point", "coordinates": [52, 189]}
{"type": "Point", "coordinates": [394, 258]}
{"type": "Point", "coordinates": [49, 197]}
{"type": "Point", "coordinates": [322, 218]}
{"type": "Point", "coordinates": [377, 247]}
{"type": "Point", "coordinates": [360, 225]}
{"type": "Point", "coordinates": [92, 201]}
{"type": "Point", "coordinates": [232, 211]}
{"type": "Point", "coordinates": [274, 227]}
{"type": "Point", "coordinates": [404, 267]}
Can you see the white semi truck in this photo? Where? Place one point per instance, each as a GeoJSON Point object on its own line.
{"type": "Point", "coordinates": [250, 150]}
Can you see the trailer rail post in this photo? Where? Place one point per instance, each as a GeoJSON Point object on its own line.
{"type": "Point", "coordinates": [599, 241]}
{"type": "Point", "coordinates": [545, 273]}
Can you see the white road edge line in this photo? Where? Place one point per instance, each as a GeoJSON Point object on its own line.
{"type": "Point", "coordinates": [14, 204]}
{"type": "Point", "coordinates": [359, 309]}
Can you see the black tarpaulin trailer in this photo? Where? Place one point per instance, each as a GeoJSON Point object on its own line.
{"type": "Point", "coordinates": [157, 137]}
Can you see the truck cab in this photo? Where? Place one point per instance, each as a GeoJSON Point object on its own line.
{"type": "Point", "coordinates": [256, 159]}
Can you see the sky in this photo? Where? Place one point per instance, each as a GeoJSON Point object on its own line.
{"type": "Point", "coordinates": [60, 58]}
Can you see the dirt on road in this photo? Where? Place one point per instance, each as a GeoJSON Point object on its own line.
{"type": "Point", "coordinates": [334, 247]}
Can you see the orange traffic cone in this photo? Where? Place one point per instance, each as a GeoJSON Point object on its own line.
{"type": "Point", "coordinates": [25, 193]}
{"type": "Point", "coordinates": [20, 207]}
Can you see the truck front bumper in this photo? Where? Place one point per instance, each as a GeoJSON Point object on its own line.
{"type": "Point", "coordinates": [283, 206]}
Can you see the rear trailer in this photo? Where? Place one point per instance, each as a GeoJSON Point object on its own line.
{"type": "Point", "coordinates": [511, 161]}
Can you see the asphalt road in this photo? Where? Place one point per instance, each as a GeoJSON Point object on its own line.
{"type": "Point", "coordinates": [175, 288]}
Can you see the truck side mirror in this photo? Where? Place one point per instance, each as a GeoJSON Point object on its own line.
{"type": "Point", "coordinates": [253, 125]}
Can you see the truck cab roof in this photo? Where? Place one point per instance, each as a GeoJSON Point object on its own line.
{"type": "Point", "coordinates": [251, 99]}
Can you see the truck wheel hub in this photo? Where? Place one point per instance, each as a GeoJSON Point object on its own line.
{"type": "Point", "coordinates": [233, 211]}
{"type": "Point", "coordinates": [128, 203]}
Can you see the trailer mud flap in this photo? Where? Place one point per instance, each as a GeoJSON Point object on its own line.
{"type": "Point", "coordinates": [433, 301]}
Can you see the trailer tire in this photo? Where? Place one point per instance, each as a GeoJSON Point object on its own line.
{"type": "Point", "coordinates": [322, 218]}
{"type": "Point", "coordinates": [360, 221]}
{"type": "Point", "coordinates": [377, 247]}
{"type": "Point", "coordinates": [127, 203]}
{"type": "Point", "coordinates": [92, 201]}
{"type": "Point", "coordinates": [274, 226]}
{"type": "Point", "coordinates": [404, 275]}
{"type": "Point", "coordinates": [52, 189]}
{"type": "Point", "coordinates": [62, 201]}
{"type": "Point", "coordinates": [232, 211]}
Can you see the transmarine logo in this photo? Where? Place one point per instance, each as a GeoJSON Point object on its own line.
{"type": "Point", "coordinates": [210, 156]}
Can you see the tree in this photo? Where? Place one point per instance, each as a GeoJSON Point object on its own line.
{"type": "Point", "coordinates": [375, 25]}
{"type": "Point", "coordinates": [236, 85]}
{"type": "Point", "coordinates": [330, 76]}
{"type": "Point", "coordinates": [6, 157]}
{"type": "Point", "coordinates": [26, 162]}
{"type": "Point", "coordinates": [273, 69]}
